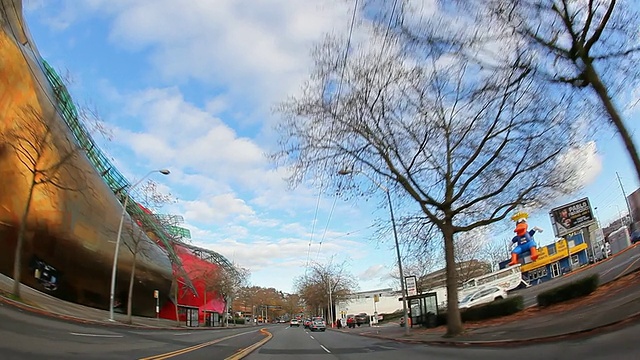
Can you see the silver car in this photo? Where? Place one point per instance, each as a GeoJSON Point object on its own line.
{"type": "Point", "coordinates": [317, 325]}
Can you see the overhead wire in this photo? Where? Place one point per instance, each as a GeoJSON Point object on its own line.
{"type": "Point", "coordinates": [338, 93]}
{"type": "Point", "coordinates": [339, 89]}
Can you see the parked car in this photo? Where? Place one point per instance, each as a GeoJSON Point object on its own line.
{"type": "Point", "coordinates": [483, 296]}
{"type": "Point", "coordinates": [317, 325]}
{"type": "Point", "coordinates": [362, 319]}
{"type": "Point", "coordinates": [294, 322]}
{"type": "Point", "coordinates": [635, 236]}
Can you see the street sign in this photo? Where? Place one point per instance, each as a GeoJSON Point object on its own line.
{"type": "Point", "coordinates": [412, 285]}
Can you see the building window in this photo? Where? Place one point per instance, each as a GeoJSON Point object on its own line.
{"type": "Point", "coordinates": [538, 273]}
{"type": "Point", "coordinates": [571, 244]}
{"type": "Point", "coordinates": [552, 249]}
{"type": "Point", "coordinates": [575, 260]}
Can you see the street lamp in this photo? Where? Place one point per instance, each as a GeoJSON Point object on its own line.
{"type": "Point", "coordinates": [395, 237]}
{"type": "Point", "coordinates": [115, 255]}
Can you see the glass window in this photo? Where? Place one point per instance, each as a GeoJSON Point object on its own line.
{"type": "Point", "coordinates": [552, 249]}
{"type": "Point", "coordinates": [575, 260]}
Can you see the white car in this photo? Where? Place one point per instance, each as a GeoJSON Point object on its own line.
{"type": "Point", "coordinates": [482, 296]}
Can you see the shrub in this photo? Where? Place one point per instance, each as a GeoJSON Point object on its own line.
{"type": "Point", "coordinates": [504, 307]}
{"type": "Point", "coordinates": [441, 319]}
{"type": "Point", "coordinates": [572, 290]}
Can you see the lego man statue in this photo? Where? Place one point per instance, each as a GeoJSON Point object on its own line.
{"type": "Point", "coordinates": [523, 239]}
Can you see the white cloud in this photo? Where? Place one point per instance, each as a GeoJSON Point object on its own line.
{"type": "Point", "coordinates": [217, 209]}
{"type": "Point", "coordinates": [585, 161]}
{"type": "Point", "coordinates": [259, 50]}
{"type": "Point", "coordinates": [373, 272]}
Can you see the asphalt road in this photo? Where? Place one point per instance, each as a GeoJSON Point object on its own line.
{"type": "Point", "coordinates": [609, 270]}
{"type": "Point", "coordinates": [25, 335]}
{"type": "Point", "coordinates": [299, 344]}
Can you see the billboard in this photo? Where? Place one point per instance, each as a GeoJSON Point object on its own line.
{"type": "Point", "coordinates": [634, 204]}
{"type": "Point", "coordinates": [571, 217]}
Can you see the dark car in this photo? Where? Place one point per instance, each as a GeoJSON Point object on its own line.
{"type": "Point", "coordinates": [635, 236]}
{"type": "Point", "coordinates": [306, 323]}
{"type": "Point", "coordinates": [362, 319]}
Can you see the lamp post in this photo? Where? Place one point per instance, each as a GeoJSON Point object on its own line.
{"type": "Point", "coordinates": [115, 254]}
{"type": "Point", "coordinates": [395, 237]}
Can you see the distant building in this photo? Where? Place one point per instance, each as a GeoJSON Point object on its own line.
{"type": "Point", "coordinates": [466, 270]}
{"type": "Point", "coordinates": [382, 301]}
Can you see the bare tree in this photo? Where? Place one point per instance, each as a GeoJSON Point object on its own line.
{"type": "Point", "coordinates": [313, 287]}
{"type": "Point", "coordinates": [590, 46]}
{"type": "Point", "coordinates": [151, 198]}
{"type": "Point", "coordinates": [48, 162]}
{"type": "Point", "coordinates": [465, 144]}
{"type": "Point", "coordinates": [230, 281]}
{"type": "Point", "coordinates": [136, 235]}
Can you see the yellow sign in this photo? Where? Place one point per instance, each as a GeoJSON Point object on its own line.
{"type": "Point", "coordinates": [376, 298]}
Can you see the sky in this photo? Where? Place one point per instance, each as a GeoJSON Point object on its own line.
{"type": "Point", "coordinates": [192, 88]}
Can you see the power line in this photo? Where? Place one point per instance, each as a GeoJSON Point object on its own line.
{"type": "Point", "coordinates": [335, 199]}
{"type": "Point", "coordinates": [344, 65]}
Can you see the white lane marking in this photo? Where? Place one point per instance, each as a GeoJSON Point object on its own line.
{"type": "Point", "coordinates": [312, 337]}
{"type": "Point", "coordinates": [97, 335]}
{"type": "Point", "coordinates": [181, 334]}
{"type": "Point", "coordinates": [619, 265]}
{"type": "Point", "coordinates": [325, 349]}
{"type": "Point", "coordinates": [386, 347]}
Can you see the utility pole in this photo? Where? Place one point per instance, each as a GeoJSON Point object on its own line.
{"type": "Point", "coordinates": [625, 198]}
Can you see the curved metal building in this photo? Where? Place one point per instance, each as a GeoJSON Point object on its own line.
{"type": "Point", "coordinates": [49, 161]}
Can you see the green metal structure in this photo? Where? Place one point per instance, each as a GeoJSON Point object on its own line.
{"type": "Point", "coordinates": [162, 226]}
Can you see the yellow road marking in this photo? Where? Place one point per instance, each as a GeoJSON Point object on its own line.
{"type": "Point", "coordinates": [248, 350]}
{"type": "Point", "coordinates": [191, 348]}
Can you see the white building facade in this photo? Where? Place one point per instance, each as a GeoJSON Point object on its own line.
{"type": "Point", "coordinates": [365, 302]}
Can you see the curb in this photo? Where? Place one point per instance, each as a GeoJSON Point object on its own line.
{"type": "Point", "coordinates": [616, 325]}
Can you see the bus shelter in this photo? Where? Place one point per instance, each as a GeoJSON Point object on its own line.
{"type": "Point", "coordinates": [423, 309]}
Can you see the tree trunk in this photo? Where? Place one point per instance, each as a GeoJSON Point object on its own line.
{"type": "Point", "coordinates": [204, 306]}
{"type": "Point", "coordinates": [614, 115]}
{"type": "Point", "coordinates": [131, 280]}
{"type": "Point", "coordinates": [175, 294]}
{"type": "Point", "coordinates": [454, 320]}
{"type": "Point", "coordinates": [226, 313]}
{"type": "Point", "coordinates": [17, 258]}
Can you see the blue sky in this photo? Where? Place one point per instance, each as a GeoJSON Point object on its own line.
{"type": "Point", "coordinates": [191, 88]}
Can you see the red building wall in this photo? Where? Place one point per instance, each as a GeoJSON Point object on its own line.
{"type": "Point", "coordinates": [198, 271]}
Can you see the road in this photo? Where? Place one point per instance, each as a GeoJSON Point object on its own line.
{"type": "Point", "coordinates": [25, 335]}
{"type": "Point", "coordinates": [609, 270]}
{"type": "Point", "coordinates": [296, 343]}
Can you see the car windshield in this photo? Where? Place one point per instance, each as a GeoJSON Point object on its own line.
{"type": "Point", "coordinates": [467, 298]}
